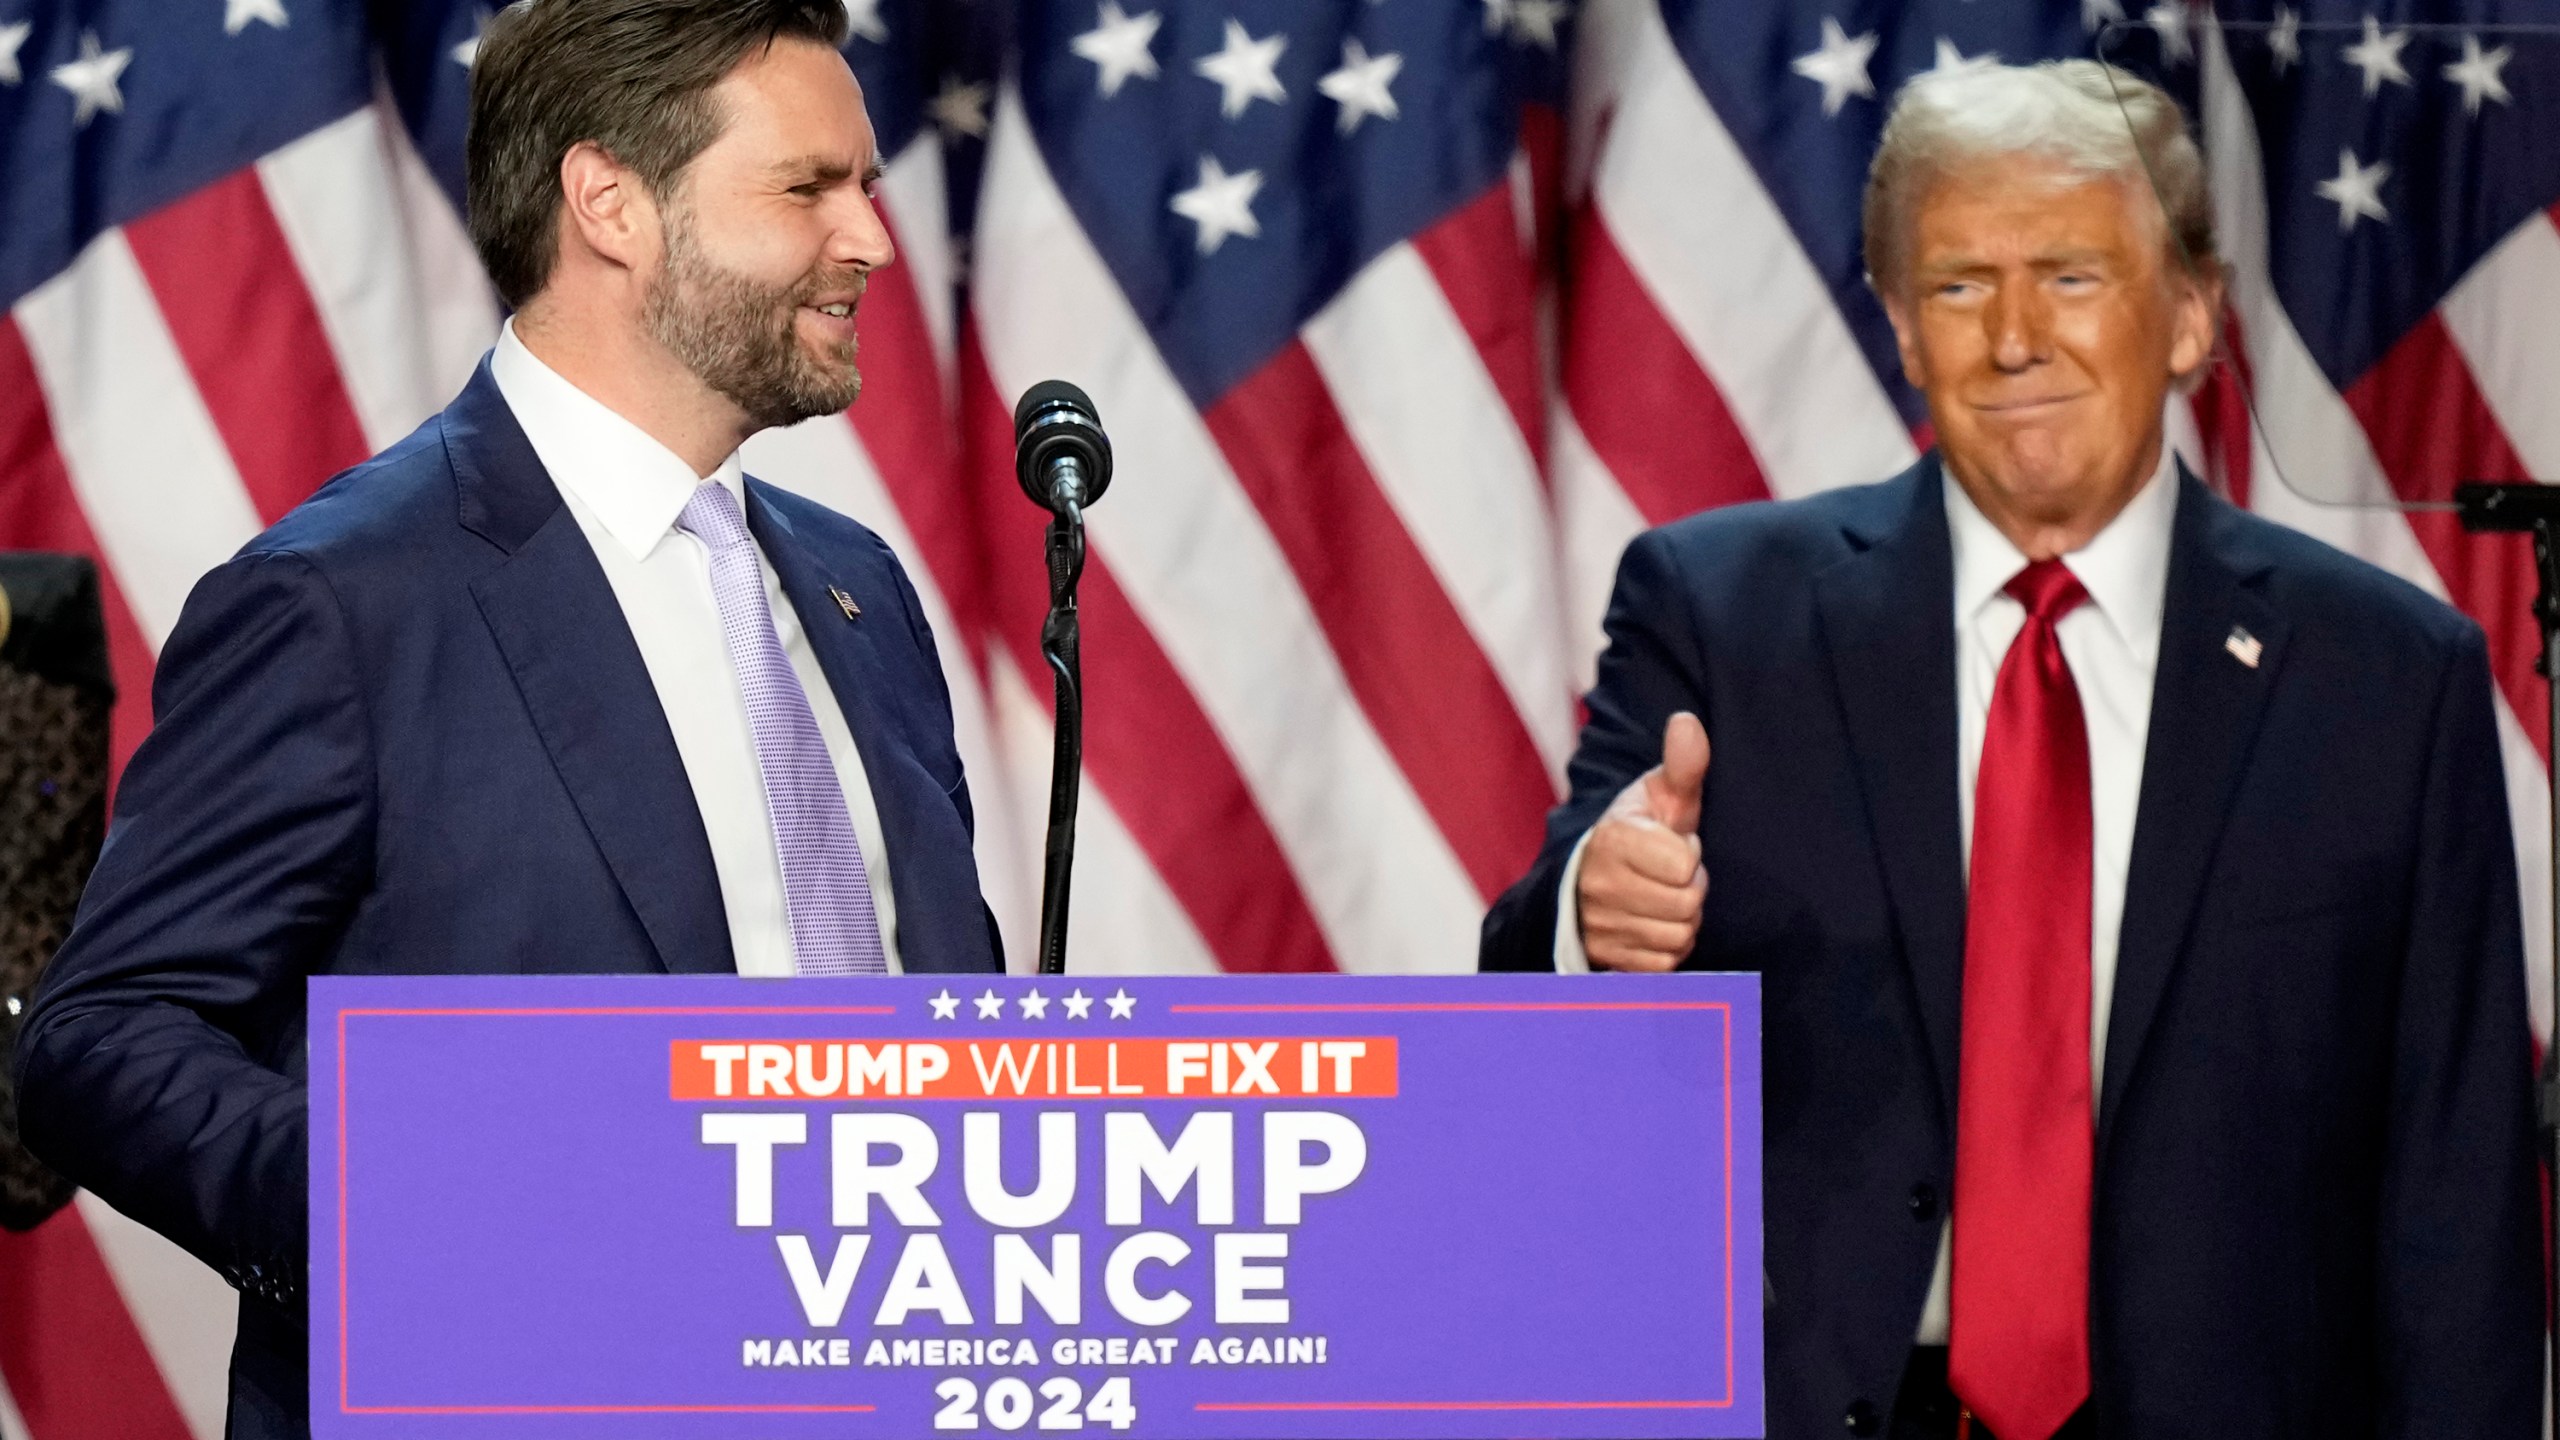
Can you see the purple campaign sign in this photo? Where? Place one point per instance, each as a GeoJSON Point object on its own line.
{"type": "Point", "coordinates": [1288, 1206]}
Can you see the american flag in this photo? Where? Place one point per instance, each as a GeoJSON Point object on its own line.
{"type": "Point", "coordinates": [1404, 314]}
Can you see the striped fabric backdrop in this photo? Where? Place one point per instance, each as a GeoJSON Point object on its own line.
{"type": "Point", "coordinates": [1404, 314]}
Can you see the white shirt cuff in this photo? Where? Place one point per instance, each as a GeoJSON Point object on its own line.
{"type": "Point", "coordinates": [1571, 959]}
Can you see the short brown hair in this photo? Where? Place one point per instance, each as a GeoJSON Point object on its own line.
{"type": "Point", "coordinates": [633, 76]}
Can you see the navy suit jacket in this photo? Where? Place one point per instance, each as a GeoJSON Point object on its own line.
{"type": "Point", "coordinates": [408, 731]}
{"type": "Point", "coordinates": [2315, 1203]}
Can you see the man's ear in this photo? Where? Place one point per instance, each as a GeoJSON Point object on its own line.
{"type": "Point", "coordinates": [2198, 318]}
{"type": "Point", "coordinates": [1897, 309]}
{"type": "Point", "coordinates": [605, 209]}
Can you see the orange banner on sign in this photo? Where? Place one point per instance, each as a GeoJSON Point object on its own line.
{"type": "Point", "coordinates": [1139, 1068]}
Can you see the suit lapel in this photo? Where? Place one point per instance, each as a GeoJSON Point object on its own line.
{"type": "Point", "coordinates": [932, 871]}
{"type": "Point", "coordinates": [2205, 708]}
{"type": "Point", "coordinates": [1889, 627]}
{"type": "Point", "coordinates": [564, 638]}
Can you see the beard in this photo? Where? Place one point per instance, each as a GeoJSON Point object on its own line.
{"type": "Point", "coordinates": [742, 337]}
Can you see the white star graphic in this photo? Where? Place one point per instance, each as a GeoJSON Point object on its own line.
{"type": "Point", "coordinates": [1120, 45]}
{"type": "Point", "coordinates": [469, 50]}
{"type": "Point", "coordinates": [867, 24]}
{"type": "Point", "coordinates": [236, 14]}
{"type": "Point", "coordinates": [2169, 22]}
{"type": "Point", "coordinates": [2094, 13]}
{"type": "Point", "coordinates": [1078, 1004]}
{"type": "Point", "coordinates": [1122, 1004]}
{"type": "Point", "coordinates": [2378, 56]}
{"type": "Point", "coordinates": [11, 37]}
{"type": "Point", "coordinates": [1221, 204]}
{"type": "Point", "coordinates": [1952, 61]}
{"type": "Point", "coordinates": [946, 1006]}
{"type": "Point", "coordinates": [990, 1006]}
{"type": "Point", "coordinates": [961, 108]}
{"type": "Point", "coordinates": [92, 78]}
{"type": "Point", "coordinates": [2284, 38]}
{"type": "Point", "coordinates": [1360, 86]}
{"type": "Point", "coordinates": [1533, 22]}
{"type": "Point", "coordinates": [1840, 66]}
{"type": "Point", "coordinates": [2478, 73]}
{"type": "Point", "coordinates": [1035, 1006]}
{"type": "Point", "coordinates": [2357, 190]}
{"type": "Point", "coordinates": [1244, 69]}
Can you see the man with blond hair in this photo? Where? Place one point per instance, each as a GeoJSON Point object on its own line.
{"type": "Point", "coordinates": [2129, 878]}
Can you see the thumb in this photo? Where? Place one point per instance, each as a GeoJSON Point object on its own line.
{"type": "Point", "coordinates": [1672, 787]}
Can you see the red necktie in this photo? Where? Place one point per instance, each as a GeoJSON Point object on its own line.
{"type": "Point", "coordinates": [2019, 1352]}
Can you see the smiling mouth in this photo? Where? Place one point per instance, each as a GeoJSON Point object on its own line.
{"type": "Point", "coordinates": [841, 310]}
{"type": "Point", "coordinates": [2015, 407]}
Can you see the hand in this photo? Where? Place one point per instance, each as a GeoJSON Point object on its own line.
{"type": "Point", "coordinates": [1642, 885]}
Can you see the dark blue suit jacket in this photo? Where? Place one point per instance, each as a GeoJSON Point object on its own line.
{"type": "Point", "coordinates": [2315, 1205]}
{"type": "Point", "coordinates": [407, 731]}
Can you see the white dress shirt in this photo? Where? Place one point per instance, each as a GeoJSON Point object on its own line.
{"type": "Point", "coordinates": [626, 490]}
{"type": "Point", "coordinates": [2112, 644]}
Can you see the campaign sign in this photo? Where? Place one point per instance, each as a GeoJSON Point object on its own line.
{"type": "Point", "coordinates": [1301, 1207]}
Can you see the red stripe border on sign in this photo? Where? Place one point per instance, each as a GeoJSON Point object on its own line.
{"type": "Point", "coordinates": [1724, 1013]}
{"type": "Point", "coordinates": [346, 1404]}
{"type": "Point", "coordinates": [1723, 1009]}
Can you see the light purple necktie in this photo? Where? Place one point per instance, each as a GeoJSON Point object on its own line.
{"type": "Point", "coordinates": [834, 930]}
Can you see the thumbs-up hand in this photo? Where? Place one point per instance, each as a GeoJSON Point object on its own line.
{"type": "Point", "coordinates": [1642, 886]}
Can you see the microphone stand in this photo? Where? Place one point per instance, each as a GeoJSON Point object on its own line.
{"type": "Point", "coordinates": [1059, 642]}
{"type": "Point", "coordinates": [2534, 509]}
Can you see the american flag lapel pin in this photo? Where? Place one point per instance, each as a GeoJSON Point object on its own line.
{"type": "Point", "coordinates": [2244, 647]}
{"type": "Point", "coordinates": [852, 611]}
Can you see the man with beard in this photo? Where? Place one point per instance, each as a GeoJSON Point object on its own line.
{"type": "Point", "coordinates": [547, 686]}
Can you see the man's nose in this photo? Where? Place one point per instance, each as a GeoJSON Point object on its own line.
{"type": "Point", "coordinates": [2021, 326]}
{"type": "Point", "coordinates": [861, 235]}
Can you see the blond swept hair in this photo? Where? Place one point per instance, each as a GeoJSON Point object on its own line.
{"type": "Point", "coordinates": [2092, 120]}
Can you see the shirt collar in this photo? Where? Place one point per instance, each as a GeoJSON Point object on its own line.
{"type": "Point", "coordinates": [2125, 567]}
{"type": "Point", "coordinates": [633, 486]}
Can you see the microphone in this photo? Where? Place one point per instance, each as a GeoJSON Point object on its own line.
{"type": "Point", "coordinates": [1060, 454]}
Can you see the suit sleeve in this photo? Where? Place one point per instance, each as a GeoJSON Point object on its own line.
{"type": "Point", "coordinates": [1652, 669]}
{"type": "Point", "coordinates": [2460, 1250]}
{"type": "Point", "coordinates": [923, 632]}
{"type": "Point", "coordinates": [242, 840]}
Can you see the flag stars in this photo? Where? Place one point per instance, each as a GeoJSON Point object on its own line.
{"type": "Point", "coordinates": [946, 1006]}
{"type": "Point", "coordinates": [12, 36]}
{"type": "Point", "coordinates": [1534, 22]}
{"type": "Point", "coordinates": [2378, 56]}
{"type": "Point", "coordinates": [990, 1006]}
{"type": "Point", "coordinates": [468, 52]}
{"type": "Point", "coordinates": [1952, 61]}
{"type": "Point", "coordinates": [1123, 1004]}
{"type": "Point", "coordinates": [92, 79]}
{"type": "Point", "coordinates": [1120, 45]}
{"type": "Point", "coordinates": [2169, 21]}
{"type": "Point", "coordinates": [1078, 1004]}
{"type": "Point", "coordinates": [2480, 73]}
{"type": "Point", "coordinates": [1034, 1005]}
{"type": "Point", "coordinates": [1221, 204]}
{"type": "Point", "coordinates": [866, 21]}
{"type": "Point", "coordinates": [2356, 190]}
{"type": "Point", "coordinates": [960, 110]}
{"type": "Point", "coordinates": [1839, 66]}
{"type": "Point", "coordinates": [1360, 86]}
{"type": "Point", "coordinates": [236, 14]}
{"type": "Point", "coordinates": [1245, 69]}
{"type": "Point", "coordinates": [2284, 39]}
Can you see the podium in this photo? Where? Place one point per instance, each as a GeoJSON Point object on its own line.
{"type": "Point", "coordinates": [1180, 1207]}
